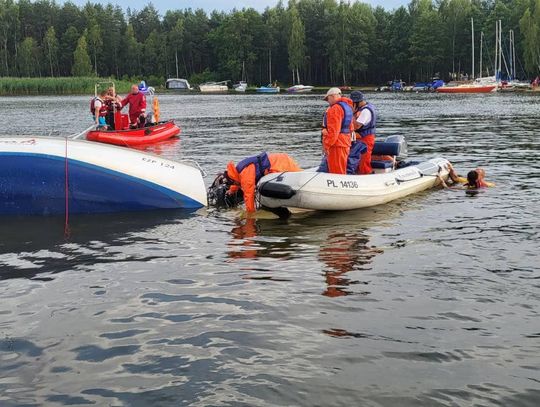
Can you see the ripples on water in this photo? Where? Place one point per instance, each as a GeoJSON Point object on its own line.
{"type": "Point", "coordinates": [428, 301]}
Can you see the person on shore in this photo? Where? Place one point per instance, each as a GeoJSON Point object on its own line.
{"type": "Point", "coordinates": [475, 178]}
{"type": "Point", "coordinates": [364, 124]}
{"type": "Point", "coordinates": [336, 132]}
{"type": "Point", "coordinates": [137, 107]}
{"type": "Point", "coordinates": [98, 109]}
{"type": "Point", "coordinates": [245, 175]}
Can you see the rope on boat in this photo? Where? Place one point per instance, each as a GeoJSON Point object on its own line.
{"type": "Point", "coordinates": [196, 164]}
{"type": "Point", "coordinates": [67, 231]}
{"type": "Point", "coordinates": [77, 135]}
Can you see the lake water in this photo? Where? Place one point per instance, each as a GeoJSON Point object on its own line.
{"type": "Point", "coordinates": [432, 300]}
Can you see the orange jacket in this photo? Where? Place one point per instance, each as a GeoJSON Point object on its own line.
{"type": "Point", "coordinates": [279, 162]}
{"type": "Point", "coordinates": [334, 117]}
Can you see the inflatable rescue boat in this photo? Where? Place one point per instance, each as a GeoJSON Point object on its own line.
{"type": "Point", "coordinates": [314, 190]}
{"type": "Point", "coordinates": [50, 176]}
{"type": "Point", "coordinates": [134, 137]}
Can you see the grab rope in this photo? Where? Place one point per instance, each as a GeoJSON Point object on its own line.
{"type": "Point", "coordinates": [67, 231]}
{"type": "Point", "coordinates": [196, 164]}
{"type": "Point", "coordinates": [77, 135]}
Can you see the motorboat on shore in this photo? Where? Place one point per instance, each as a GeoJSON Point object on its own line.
{"type": "Point", "coordinates": [300, 89]}
{"type": "Point", "coordinates": [178, 84]}
{"type": "Point", "coordinates": [52, 176]}
{"type": "Point", "coordinates": [214, 87]}
{"type": "Point", "coordinates": [134, 137]}
{"type": "Point", "coordinates": [268, 89]}
{"type": "Point", "coordinates": [312, 190]}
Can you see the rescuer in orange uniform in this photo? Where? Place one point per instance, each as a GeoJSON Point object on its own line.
{"type": "Point", "coordinates": [337, 129]}
{"type": "Point", "coordinates": [250, 170]}
{"type": "Point", "coordinates": [364, 123]}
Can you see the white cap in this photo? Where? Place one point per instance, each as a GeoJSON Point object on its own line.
{"type": "Point", "coordinates": [332, 91]}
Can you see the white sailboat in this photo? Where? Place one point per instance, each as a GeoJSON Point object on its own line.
{"type": "Point", "coordinates": [242, 85]}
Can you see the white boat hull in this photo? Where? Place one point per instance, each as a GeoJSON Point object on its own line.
{"type": "Point", "coordinates": [334, 192]}
{"type": "Point", "coordinates": [38, 176]}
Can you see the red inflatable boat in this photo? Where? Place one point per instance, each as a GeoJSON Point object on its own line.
{"type": "Point", "coordinates": [134, 137]}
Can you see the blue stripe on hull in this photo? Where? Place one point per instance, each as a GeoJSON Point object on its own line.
{"type": "Point", "coordinates": [34, 184]}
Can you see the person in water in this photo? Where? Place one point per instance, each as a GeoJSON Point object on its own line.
{"type": "Point", "coordinates": [245, 175]}
{"type": "Point", "coordinates": [137, 107]}
{"type": "Point", "coordinates": [364, 124]}
{"type": "Point", "coordinates": [475, 178]}
{"type": "Point", "coordinates": [336, 131]}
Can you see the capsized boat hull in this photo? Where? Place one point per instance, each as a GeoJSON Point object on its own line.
{"type": "Point", "coordinates": [334, 192]}
{"type": "Point", "coordinates": [36, 177]}
{"type": "Point", "coordinates": [136, 137]}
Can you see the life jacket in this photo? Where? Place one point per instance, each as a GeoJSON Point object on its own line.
{"type": "Point", "coordinates": [370, 127]}
{"type": "Point", "coordinates": [261, 162]}
{"type": "Point", "coordinates": [347, 118]}
{"type": "Point", "coordinates": [102, 110]}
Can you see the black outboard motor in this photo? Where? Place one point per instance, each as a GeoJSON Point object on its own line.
{"type": "Point", "coordinates": [218, 196]}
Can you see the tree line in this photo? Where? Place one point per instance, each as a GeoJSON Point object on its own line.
{"type": "Point", "coordinates": [309, 41]}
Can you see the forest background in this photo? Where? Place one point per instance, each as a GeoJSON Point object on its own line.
{"type": "Point", "coordinates": [324, 41]}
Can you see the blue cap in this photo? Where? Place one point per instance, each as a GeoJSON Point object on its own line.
{"type": "Point", "coordinates": [357, 96]}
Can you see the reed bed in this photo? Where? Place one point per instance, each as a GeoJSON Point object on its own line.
{"type": "Point", "coordinates": [55, 86]}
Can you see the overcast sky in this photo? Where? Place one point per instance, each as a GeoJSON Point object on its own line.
{"type": "Point", "coordinates": [209, 5]}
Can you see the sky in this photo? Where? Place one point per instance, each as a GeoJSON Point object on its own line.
{"type": "Point", "coordinates": [209, 5]}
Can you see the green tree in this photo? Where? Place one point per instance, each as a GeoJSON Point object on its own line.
{"type": "Point", "coordinates": [176, 40]}
{"type": "Point", "coordinates": [530, 28]}
{"type": "Point", "coordinates": [95, 41]}
{"type": "Point", "coordinates": [68, 43]}
{"type": "Point", "coordinates": [296, 44]}
{"type": "Point", "coordinates": [81, 60]}
{"type": "Point", "coordinates": [27, 58]}
{"type": "Point", "coordinates": [50, 43]}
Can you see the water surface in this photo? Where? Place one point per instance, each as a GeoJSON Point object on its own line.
{"type": "Point", "coordinates": [428, 301]}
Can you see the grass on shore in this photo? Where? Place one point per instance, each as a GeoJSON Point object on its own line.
{"type": "Point", "coordinates": [10, 86]}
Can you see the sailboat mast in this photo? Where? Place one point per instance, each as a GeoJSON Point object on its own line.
{"type": "Point", "coordinates": [270, 64]}
{"type": "Point", "coordinates": [472, 43]}
{"type": "Point", "coordinates": [495, 66]}
{"type": "Point", "coordinates": [481, 46]}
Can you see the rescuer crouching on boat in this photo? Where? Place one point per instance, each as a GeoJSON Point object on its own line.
{"type": "Point", "coordinates": [244, 176]}
{"type": "Point", "coordinates": [137, 107]}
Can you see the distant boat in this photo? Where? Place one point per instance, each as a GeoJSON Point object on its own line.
{"type": "Point", "coordinates": [177, 84]}
{"type": "Point", "coordinates": [300, 89]}
{"type": "Point", "coordinates": [240, 86]}
{"type": "Point", "coordinates": [268, 89]}
{"type": "Point", "coordinates": [214, 87]}
{"type": "Point", "coordinates": [480, 85]}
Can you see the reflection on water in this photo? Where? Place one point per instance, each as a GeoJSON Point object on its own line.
{"type": "Point", "coordinates": [427, 301]}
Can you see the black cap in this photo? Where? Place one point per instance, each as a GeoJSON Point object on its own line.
{"type": "Point", "coordinates": [357, 96]}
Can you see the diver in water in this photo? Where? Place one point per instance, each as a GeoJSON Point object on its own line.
{"type": "Point", "coordinates": [475, 178]}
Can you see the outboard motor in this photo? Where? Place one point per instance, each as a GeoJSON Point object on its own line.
{"type": "Point", "coordinates": [392, 145]}
{"type": "Point", "coordinates": [217, 193]}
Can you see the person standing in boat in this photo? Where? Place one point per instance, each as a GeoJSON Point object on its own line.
{"type": "Point", "coordinates": [137, 107]}
{"type": "Point", "coordinates": [364, 123]}
{"type": "Point", "coordinates": [336, 132]}
{"type": "Point", "coordinates": [250, 170]}
{"type": "Point", "coordinates": [113, 103]}
{"type": "Point", "coordinates": [98, 109]}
